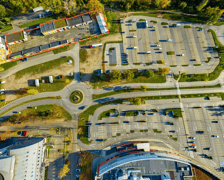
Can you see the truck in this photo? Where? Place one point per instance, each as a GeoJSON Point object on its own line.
{"type": "Point", "coordinates": [96, 45]}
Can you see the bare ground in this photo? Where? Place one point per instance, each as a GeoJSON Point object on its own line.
{"type": "Point", "coordinates": [15, 84]}
{"type": "Point", "coordinates": [94, 60]}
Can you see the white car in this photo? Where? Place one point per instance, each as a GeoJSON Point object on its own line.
{"type": "Point", "coordinates": [134, 47]}
{"type": "Point", "coordinates": [160, 49]}
{"type": "Point", "coordinates": [215, 136]}
{"type": "Point", "coordinates": [2, 89]}
{"type": "Point", "coordinates": [181, 54]}
{"type": "Point", "coordinates": [169, 40]}
{"type": "Point", "coordinates": [2, 92]}
{"type": "Point", "coordinates": [148, 52]}
{"type": "Point", "coordinates": [153, 26]}
{"type": "Point", "coordinates": [2, 82]}
{"type": "Point", "coordinates": [133, 36]}
{"type": "Point", "coordinates": [157, 45]}
{"type": "Point", "coordinates": [191, 137]}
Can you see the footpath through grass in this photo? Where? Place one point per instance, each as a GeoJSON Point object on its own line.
{"type": "Point", "coordinates": [207, 76]}
{"type": "Point", "coordinates": [38, 21]}
{"type": "Point", "coordinates": [40, 68]}
{"type": "Point", "coordinates": [8, 65]}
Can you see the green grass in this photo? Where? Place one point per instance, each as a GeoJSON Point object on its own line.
{"type": "Point", "coordinates": [149, 63]}
{"type": "Point", "coordinates": [170, 53]}
{"type": "Point", "coordinates": [219, 23]}
{"type": "Point", "coordinates": [164, 23]}
{"type": "Point", "coordinates": [63, 49]}
{"type": "Point", "coordinates": [159, 62]}
{"type": "Point", "coordinates": [38, 99]}
{"type": "Point", "coordinates": [145, 130]}
{"type": "Point", "coordinates": [208, 76]}
{"type": "Point", "coordinates": [145, 14]}
{"type": "Point", "coordinates": [197, 64]}
{"type": "Point", "coordinates": [42, 112]}
{"type": "Point", "coordinates": [186, 26]}
{"type": "Point", "coordinates": [131, 113]}
{"type": "Point", "coordinates": [132, 131]}
{"type": "Point", "coordinates": [141, 19]}
{"type": "Point", "coordinates": [40, 68]}
{"type": "Point", "coordinates": [8, 65]}
{"type": "Point", "coordinates": [125, 64]}
{"type": "Point", "coordinates": [156, 131]}
{"type": "Point", "coordinates": [132, 30]}
{"type": "Point", "coordinates": [199, 28]}
{"type": "Point", "coordinates": [199, 87]}
{"type": "Point", "coordinates": [136, 63]}
{"type": "Point", "coordinates": [173, 65]}
{"type": "Point", "coordinates": [76, 97]}
{"type": "Point", "coordinates": [118, 134]}
{"type": "Point", "coordinates": [97, 96]}
{"type": "Point", "coordinates": [38, 21]}
{"type": "Point", "coordinates": [209, 59]}
{"type": "Point", "coordinates": [46, 173]}
{"type": "Point", "coordinates": [186, 65]}
{"type": "Point", "coordinates": [177, 112]}
{"type": "Point", "coordinates": [6, 28]}
{"type": "Point", "coordinates": [60, 23]}
{"type": "Point", "coordinates": [105, 114]}
{"type": "Point", "coordinates": [155, 22]}
{"type": "Point", "coordinates": [171, 136]}
{"type": "Point", "coordinates": [48, 152]}
{"type": "Point", "coordinates": [85, 140]}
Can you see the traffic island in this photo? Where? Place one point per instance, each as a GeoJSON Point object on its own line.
{"type": "Point", "coordinates": [76, 97]}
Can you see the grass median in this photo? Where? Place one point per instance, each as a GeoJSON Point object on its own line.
{"type": "Point", "coordinates": [207, 76]}
{"type": "Point", "coordinates": [106, 114]}
{"type": "Point", "coordinates": [8, 65]}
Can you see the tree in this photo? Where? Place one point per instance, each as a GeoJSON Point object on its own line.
{"type": "Point", "coordinates": [162, 3]}
{"type": "Point", "coordinates": [2, 11]}
{"type": "Point", "coordinates": [202, 5]}
{"type": "Point", "coordinates": [63, 171]}
{"type": "Point", "coordinates": [144, 88]}
{"type": "Point", "coordinates": [136, 101]}
{"type": "Point", "coordinates": [32, 91]}
{"type": "Point", "coordinates": [129, 75]}
{"type": "Point", "coordinates": [164, 71]}
{"type": "Point", "coordinates": [69, 7]}
{"type": "Point", "coordinates": [183, 5]}
{"type": "Point", "coordinates": [163, 62]}
{"type": "Point", "coordinates": [80, 131]}
{"type": "Point", "coordinates": [149, 73]}
{"type": "Point", "coordinates": [115, 75]}
{"type": "Point", "coordinates": [94, 5]}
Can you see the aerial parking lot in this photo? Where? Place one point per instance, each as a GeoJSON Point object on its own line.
{"type": "Point", "coordinates": [147, 42]}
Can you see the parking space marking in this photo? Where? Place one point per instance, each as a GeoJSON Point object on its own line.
{"type": "Point", "coordinates": [180, 46]}
{"type": "Point", "coordinates": [204, 45]}
{"type": "Point", "coordinates": [140, 45]}
{"type": "Point", "coordinates": [192, 45]}
{"type": "Point", "coordinates": [169, 46]}
{"type": "Point", "coordinates": [156, 37]}
{"type": "Point", "coordinates": [146, 46]}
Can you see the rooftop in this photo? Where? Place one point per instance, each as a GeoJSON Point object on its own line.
{"type": "Point", "coordinates": [60, 23]}
{"type": "Point", "coordinates": [86, 18]}
{"type": "Point", "coordinates": [47, 27]}
{"type": "Point", "coordinates": [15, 37]}
{"type": "Point", "coordinates": [74, 21]}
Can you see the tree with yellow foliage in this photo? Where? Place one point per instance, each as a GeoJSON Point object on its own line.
{"type": "Point", "coordinates": [63, 171]}
{"type": "Point", "coordinates": [32, 91]}
{"type": "Point", "coordinates": [162, 3]}
{"type": "Point", "coordinates": [164, 71]}
{"type": "Point", "coordinates": [94, 5]}
{"type": "Point", "coordinates": [80, 131]}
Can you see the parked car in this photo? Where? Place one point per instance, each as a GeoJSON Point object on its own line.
{"type": "Point", "coordinates": [148, 52]}
{"type": "Point", "coordinates": [153, 27]}
{"type": "Point", "coordinates": [165, 26]}
{"type": "Point", "coordinates": [194, 147]}
{"type": "Point", "coordinates": [215, 136]}
{"type": "Point", "coordinates": [169, 40]}
{"type": "Point", "coordinates": [191, 137]}
{"type": "Point", "coordinates": [181, 54]}
{"type": "Point", "coordinates": [214, 121]}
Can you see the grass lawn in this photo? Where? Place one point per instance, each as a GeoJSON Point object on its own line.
{"type": "Point", "coordinates": [220, 23]}
{"type": "Point", "coordinates": [155, 22]}
{"type": "Point", "coordinates": [84, 136]}
{"type": "Point", "coordinates": [132, 30]}
{"type": "Point", "coordinates": [141, 19]}
{"type": "Point", "coordinates": [131, 113]}
{"type": "Point", "coordinates": [63, 49]}
{"type": "Point", "coordinates": [159, 62]}
{"type": "Point", "coordinates": [40, 68]}
{"type": "Point", "coordinates": [43, 112]}
{"type": "Point", "coordinates": [8, 65]}
{"type": "Point", "coordinates": [197, 64]}
{"type": "Point", "coordinates": [38, 21]}
{"type": "Point", "coordinates": [156, 131]}
{"type": "Point", "coordinates": [106, 114]}
{"type": "Point", "coordinates": [186, 26]}
{"type": "Point", "coordinates": [164, 23]}
{"type": "Point", "coordinates": [177, 112]}
{"type": "Point", "coordinates": [186, 65]}
{"type": "Point", "coordinates": [171, 136]}
{"type": "Point", "coordinates": [76, 97]}
{"type": "Point", "coordinates": [144, 14]}
{"type": "Point", "coordinates": [207, 76]}
{"type": "Point", "coordinates": [170, 53]}
{"type": "Point", "coordinates": [6, 28]}
{"type": "Point", "coordinates": [209, 59]}
{"type": "Point", "coordinates": [132, 131]}
{"type": "Point", "coordinates": [149, 63]}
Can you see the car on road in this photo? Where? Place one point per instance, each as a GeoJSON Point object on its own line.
{"type": "Point", "coordinates": [194, 147]}
{"type": "Point", "coordinates": [215, 136]}
{"type": "Point", "coordinates": [192, 138]}
{"type": "Point", "coordinates": [207, 98]}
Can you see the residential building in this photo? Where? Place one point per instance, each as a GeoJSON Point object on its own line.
{"type": "Point", "coordinates": [22, 159]}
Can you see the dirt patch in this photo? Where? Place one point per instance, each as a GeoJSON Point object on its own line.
{"type": "Point", "coordinates": [94, 60]}
{"type": "Point", "coordinates": [15, 84]}
{"type": "Point", "coordinates": [200, 175]}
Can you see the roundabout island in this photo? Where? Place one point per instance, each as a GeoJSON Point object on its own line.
{"type": "Point", "coordinates": [76, 97]}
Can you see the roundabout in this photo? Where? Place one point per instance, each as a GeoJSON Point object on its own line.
{"type": "Point", "coordinates": [76, 97]}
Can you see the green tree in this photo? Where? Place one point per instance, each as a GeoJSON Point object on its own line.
{"type": "Point", "coordinates": [2, 11]}
{"type": "Point", "coordinates": [94, 5]}
{"type": "Point", "coordinates": [136, 101]}
{"type": "Point", "coordinates": [164, 71]}
{"type": "Point", "coordinates": [115, 75]}
{"type": "Point", "coordinates": [162, 3]}
{"type": "Point", "coordinates": [149, 73]}
{"type": "Point", "coordinates": [129, 75]}
{"type": "Point", "coordinates": [32, 91]}
{"type": "Point", "coordinates": [144, 88]}
{"type": "Point", "coordinates": [202, 5]}
{"type": "Point", "coordinates": [183, 5]}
